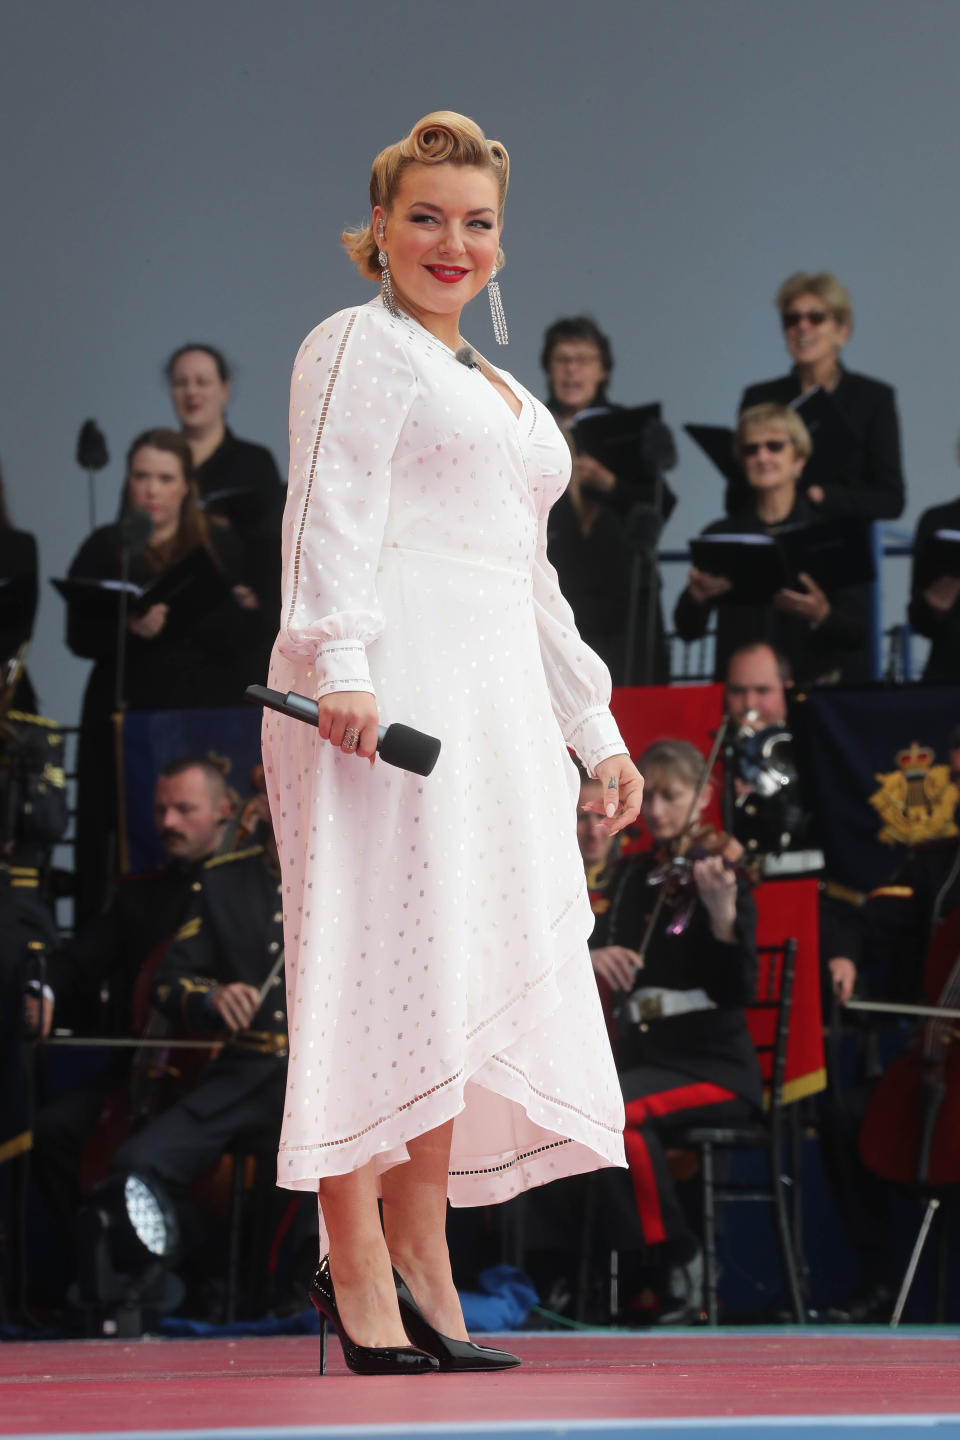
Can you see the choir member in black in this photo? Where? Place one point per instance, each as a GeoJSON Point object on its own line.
{"type": "Point", "coordinates": [596, 531]}
{"type": "Point", "coordinates": [175, 658]}
{"type": "Point", "coordinates": [222, 977]}
{"type": "Point", "coordinates": [684, 1052]}
{"type": "Point", "coordinates": [588, 549]}
{"type": "Point", "coordinates": [112, 956]}
{"type": "Point", "coordinates": [935, 594]}
{"type": "Point", "coordinates": [18, 609]}
{"type": "Point", "coordinates": [238, 481]}
{"type": "Point", "coordinates": [856, 468]}
{"type": "Point", "coordinates": [825, 637]}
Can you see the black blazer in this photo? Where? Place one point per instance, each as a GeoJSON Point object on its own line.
{"type": "Point", "coordinates": [837, 649]}
{"type": "Point", "coordinates": [205, 667]}
{"type": "Point", "coordinates": [943, 628]}
{"type": "Point", "coordinates": [18, 558]}
{"type": "Point", "coordinates": [868, 479]}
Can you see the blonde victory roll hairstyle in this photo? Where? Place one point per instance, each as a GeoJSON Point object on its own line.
{"type": "Point", "coordinates": [441, 138]}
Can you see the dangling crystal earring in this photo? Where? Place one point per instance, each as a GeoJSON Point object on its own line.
{"type": "Point", "coordinates": [497, 316]}
{"type": "Point", "coordinates": [386, 289]}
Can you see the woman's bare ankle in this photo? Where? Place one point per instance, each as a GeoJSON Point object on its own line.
{"type": "Point", "coordinates": [429, 1279]}
{"type": "Point", "coordinates": [366, 1295]}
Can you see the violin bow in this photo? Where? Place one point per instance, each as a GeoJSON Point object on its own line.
{"type": "Point", "coordinates": [888, 1007]}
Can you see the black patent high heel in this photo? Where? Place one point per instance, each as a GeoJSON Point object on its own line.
{"type": "Point", "coordinates": [451, 1354]}
{"type": "Point", "coordinates": [361, 1359]}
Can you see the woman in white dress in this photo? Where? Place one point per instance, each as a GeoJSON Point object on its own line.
{"type": "Point", "coordinates": [446, 1038]}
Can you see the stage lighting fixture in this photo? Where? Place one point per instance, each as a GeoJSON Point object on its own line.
{"type": "Point", "coordinates": [128, 1235]}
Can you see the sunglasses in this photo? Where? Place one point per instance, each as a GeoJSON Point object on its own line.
{"type": "Point", "coordinates": [792, 318]}
{"type": "Point", "coordinates": [755, 446]}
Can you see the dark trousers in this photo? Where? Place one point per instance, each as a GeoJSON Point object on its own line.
{"type": "Point", "coordinates": [659, 1102]}
{"type": "Point", "coordinates": [187, 1140]}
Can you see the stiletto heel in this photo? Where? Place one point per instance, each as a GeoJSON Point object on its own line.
{"type": "Point", "coordinates": [450, 1354]}
{"type": "Point", "coordinates": [361, 1359]}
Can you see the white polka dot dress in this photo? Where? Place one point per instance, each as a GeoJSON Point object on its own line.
{"type": "Point", "coordinates": [436, 929]}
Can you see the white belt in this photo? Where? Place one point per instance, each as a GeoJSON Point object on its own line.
{"type": "Point", "coordinates": [653, 1003]}
{"type": "Point", "coordinates": [793, 862]}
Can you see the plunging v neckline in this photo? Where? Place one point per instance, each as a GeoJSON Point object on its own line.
{"type": "Point", "coordinates": [516, 414]}
{"type": "Point", "coordinates": [497, 371]}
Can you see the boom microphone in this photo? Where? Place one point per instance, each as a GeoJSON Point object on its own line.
{"type": "Point", "coordinates": [398, 745]}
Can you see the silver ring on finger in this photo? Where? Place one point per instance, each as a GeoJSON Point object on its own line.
{"type": "Point", "coordinates": [351, 739]}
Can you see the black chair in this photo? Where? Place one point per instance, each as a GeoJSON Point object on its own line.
{"type": "Point", "coordinates": [774, 995]}
{"type": "Point", "coordinates": [253, 1162]}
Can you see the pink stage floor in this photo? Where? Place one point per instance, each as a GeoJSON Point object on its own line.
{"type": "Point", "coordinates": [592, 1383]}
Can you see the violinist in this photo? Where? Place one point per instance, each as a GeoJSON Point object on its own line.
{"type": "Point", "coordinates": [683, 1050]}
{"type": "Point", "coordinates": [191, 807]}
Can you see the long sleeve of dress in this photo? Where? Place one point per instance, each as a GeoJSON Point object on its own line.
{"type": "Point", "coordinates": [577, 679]}
{"type": "Point", "coordinates": [352, 388]}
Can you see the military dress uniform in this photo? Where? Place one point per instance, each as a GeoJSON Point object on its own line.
{"type": "Point", "coordinates": [233, 933]}
{"type": "Point", "coordinates": [108, 957]}
{"type": "Point", "coordinates": [683, 1050]}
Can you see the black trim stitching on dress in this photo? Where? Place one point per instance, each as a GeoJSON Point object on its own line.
{"type": "Point", "coordinates": [509, 1164]}
{"type": "Point", "coordinates": [324, 1144]}
{"type": "Point", "coordinates": [554, 1099]}
{"type": "Point", "coordinates": [334, 372]}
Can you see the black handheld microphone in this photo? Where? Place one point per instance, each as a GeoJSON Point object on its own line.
{"type": "Point", "coordinates": [398, 745]}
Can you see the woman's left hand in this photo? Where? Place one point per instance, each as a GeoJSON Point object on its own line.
{"type": "Point", "coordinates": [594, 475]}
{"type": "Point", "coordinates": [622, 793]}
{"type": "Point", "coordinates": [810, 604]}
{"type": "Point", "coordinates": [717, 887]}
{"type": "Point", "coordinates": [246, 598]}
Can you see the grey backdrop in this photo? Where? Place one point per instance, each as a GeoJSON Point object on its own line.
{"type": "Point", "coordinates": [182, 170]}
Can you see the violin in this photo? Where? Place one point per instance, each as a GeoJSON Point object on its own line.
{"type": "Point", "coordinates": [911, 1129]}
{"type": "Point", "coordinates": [673, 871]}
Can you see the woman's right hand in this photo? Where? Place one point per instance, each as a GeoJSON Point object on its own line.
{"type": "Point", "coordinates": [149, 625]}
{"type": "Point", "coordinates": [618, 965]}
{"type": "Point", "coordinates": [942, 594]}
{"type": "Point", "coordinates": [704, 587]}
{"type": "Point", "coordinates": [349, 712]}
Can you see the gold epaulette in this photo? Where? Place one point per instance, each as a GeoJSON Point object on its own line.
{"type": "Point", "coordinates": [892, 892]}
{"type": "Point", "coordinates": [34, 719]}
{"type": "Point", "coordinates": [835, 891]}
{"type": "Point", "coordinates": [189, 929]}
{"type": "Point", "coordinates": [232, 855]}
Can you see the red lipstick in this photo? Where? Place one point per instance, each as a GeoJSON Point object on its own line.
{"type": "Point", "coordinates": [447, 274]}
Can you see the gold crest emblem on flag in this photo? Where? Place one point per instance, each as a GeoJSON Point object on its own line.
{"type": "Point", "coordinates": [916, 802]}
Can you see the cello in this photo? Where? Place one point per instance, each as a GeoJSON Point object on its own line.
{"type": "Point", "coordinates": [910, 1132]}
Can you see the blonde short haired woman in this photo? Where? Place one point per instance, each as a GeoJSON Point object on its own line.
{"type": "Point", "coordinates": [857, 467]}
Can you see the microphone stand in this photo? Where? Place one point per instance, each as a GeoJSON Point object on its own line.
{"type": "Point", "coordinates": [123, 611]}
{"type": "Point", "coordinates": [653, 589]}
{"type": "Point", "coordinates": [643, 531]}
